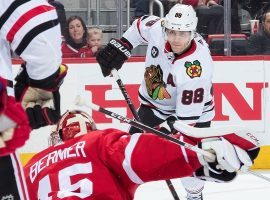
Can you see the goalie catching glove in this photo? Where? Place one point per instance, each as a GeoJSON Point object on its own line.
{"type": "Point", "coordinates": [40, 98]}
{"type": "Point", "coordinates": [229, 159]}
{"type": "Point", "coordinates": [113, 56]}
{"type": "Point", "coordinates": [14, 127]}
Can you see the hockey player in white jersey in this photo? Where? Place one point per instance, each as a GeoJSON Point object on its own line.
{"type": "Point", "coordinates": [30, 29]}
{"type": "Point", "coordinates": [178, 74]}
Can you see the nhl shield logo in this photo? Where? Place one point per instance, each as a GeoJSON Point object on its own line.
{"type": "Point", "coordinates": [154, 52]}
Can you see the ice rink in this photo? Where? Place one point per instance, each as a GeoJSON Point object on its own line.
{"type": "Point", "coordinates": [244, 187]}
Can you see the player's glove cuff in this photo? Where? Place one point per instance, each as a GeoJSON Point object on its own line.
{"type": "Point", "coordinates": [40, 98]}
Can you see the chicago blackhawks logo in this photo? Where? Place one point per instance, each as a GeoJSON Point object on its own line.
{"type": "Point", "coordinates": [193, 69]}
{"type": "Point", "coordinates": [156, 87]}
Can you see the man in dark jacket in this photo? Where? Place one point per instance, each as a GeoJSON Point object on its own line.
{"type": "Point", "coordinates": [259, 43]}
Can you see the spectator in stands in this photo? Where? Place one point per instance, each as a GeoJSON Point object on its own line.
{"type": "Point", "coordinates": [259, 43]}
{"type": "Point", "coordinates": [255, 7]}
{"type": "Point", "coordinates": [141, 8]}
{"type": "Point", "coordinates": [264, 8]}
{"type": "Point", "coordinates": [235, 21]}
{"type": "Point", "coordinates": [94, 39]}
{"type": "Point", "coordinates": [210, 16]}
{"type": "Point", "coordinates": [75, 45]}
{"type": "Point", "coordinates": [196, 3]}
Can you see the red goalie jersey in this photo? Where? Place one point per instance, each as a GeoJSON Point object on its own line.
{"type": "Point", "coordinates": [106, 164]}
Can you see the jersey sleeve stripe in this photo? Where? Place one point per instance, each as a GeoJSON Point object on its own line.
{"type": "Point", "coordinates": [13, 6]}
{"type": "Point", "coordinates": [33, 33]}
{"type": "Point", "coordinates": [25, 18]}
{"type": "Point", "coordinates": [127, 161]}
{"type": "Point", "coordinates": [138, 28]}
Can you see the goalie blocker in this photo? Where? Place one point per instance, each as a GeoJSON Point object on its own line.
{"type": "Point", "coordinates": [40, 98]}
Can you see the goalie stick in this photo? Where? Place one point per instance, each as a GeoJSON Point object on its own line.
{"type": "Point", "coordinates": [136, 116]}
{"type": "Point", "coordinates": [80, 102]}
{"type": "Point", "coordinates": [216, 131]}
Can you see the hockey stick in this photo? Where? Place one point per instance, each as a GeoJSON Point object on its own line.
{"type": "Point", "coordinates": [80, 102]}
{"type": "Point", "coordinates": [136, 116]}
{"type": "Point", "coordinates": [125, 94]}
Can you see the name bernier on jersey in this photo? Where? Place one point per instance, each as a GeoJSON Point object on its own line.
{"type": "Point", "coordinates": [76, 150]}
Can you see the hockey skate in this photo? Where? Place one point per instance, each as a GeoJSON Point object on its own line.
{"type": "Point", "coordinates": [197, 196]}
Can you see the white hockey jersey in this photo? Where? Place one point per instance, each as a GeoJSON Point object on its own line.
{"type": "Point", "coordinates": [178, 85]}
{"type": "Point", "coordinates": [31, 29]}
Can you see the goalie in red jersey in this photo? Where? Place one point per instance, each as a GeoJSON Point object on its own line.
{"type": "Point", "coordinates": [29, 29]}
{"type": "Point", "coordinates": [86, 163]}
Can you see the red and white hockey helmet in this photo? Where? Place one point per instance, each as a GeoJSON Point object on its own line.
{"type": "Point", "coordinates": [181, 18]}
{"type": "Point", "coordinates": [72, 124]}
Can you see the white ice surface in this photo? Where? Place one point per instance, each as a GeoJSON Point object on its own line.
{"type": "Point", "coordinates": [244, 187]}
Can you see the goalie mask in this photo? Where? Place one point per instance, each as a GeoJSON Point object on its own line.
{"type": "Point", "coordinates": [72, 124]}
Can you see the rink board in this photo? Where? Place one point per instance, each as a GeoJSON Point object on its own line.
{"type": "Point", "coordinates": [240, 87]}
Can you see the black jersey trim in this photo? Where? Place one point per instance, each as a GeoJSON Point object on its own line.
{"type": "Point", "coordinates": [208, 103]}
{"type": "Point", "coordinates": [209, 110]}
{"type": "Point", "coordinates": [10, 83]}
{"type": "Point", "coordinates": [33, 33]}
{"type": "Point", "coordinates": [189, 118]}
{"type": "Point", "coordinates": [150, 105]}
{"type": "Point", "coordinates": [144, 17]}
{"type": "Point", "coordinates": [123, 39]}
{"type": "Point", "coordinates": [13, 6]}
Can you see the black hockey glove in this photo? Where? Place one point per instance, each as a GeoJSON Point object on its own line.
{"type": "Point", "coordinates": [113, 55]}
{"type": "Point", "coordinates": [40, 98]}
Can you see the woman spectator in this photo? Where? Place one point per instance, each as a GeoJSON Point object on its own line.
{"type": "Point", "coordinates": [75, 45]}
